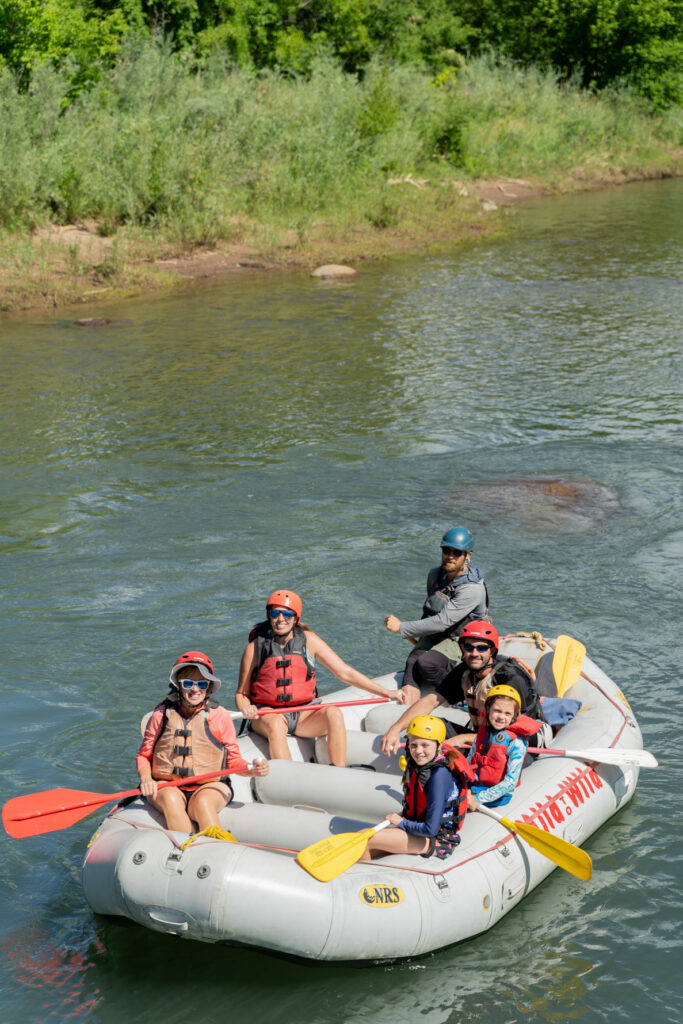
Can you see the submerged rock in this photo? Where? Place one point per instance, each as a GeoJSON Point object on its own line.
{"type": "Point", "coordinates": [334, 270]}
{"type": "Point", "coordinates": [101, 321]}
{"type": "Point", "coordinates": [541, 502]}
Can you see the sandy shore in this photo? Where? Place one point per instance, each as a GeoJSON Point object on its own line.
{"type": "Point", "coordinates": [74, 264]}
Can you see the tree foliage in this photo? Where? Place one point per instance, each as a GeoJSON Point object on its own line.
{"type": "Point", "coordinates": [598, 42]}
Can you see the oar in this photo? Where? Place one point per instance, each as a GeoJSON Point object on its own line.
{"type": "Point", "coordinates": [602, 755]}
{"type": "Point", "coordinates": [565, 854]}
{"type": "Point", "coordinates": [330, 857]}
{"type": "Point", "coordinates": [314, 707]}
{"type": "Point", "coordinates": [567, 663]}
{"type": "Point", "coordinates": [605, 755]}
{"type": "Point", "coordinates": [54, 809]}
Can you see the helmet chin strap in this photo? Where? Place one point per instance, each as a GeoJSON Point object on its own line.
{"type": "Point", "coordinates": [185, 704]}
{"type": "Point", "coordinates": [481, 673]}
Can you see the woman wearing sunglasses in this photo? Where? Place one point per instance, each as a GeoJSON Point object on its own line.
{"type": "Point", "coordinates": [190, 734]}
{"type": "Point", "coordinates": [277, 671]}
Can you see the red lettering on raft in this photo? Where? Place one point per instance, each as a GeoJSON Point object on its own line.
{"type": "Point", "coordinates": [573, 791]}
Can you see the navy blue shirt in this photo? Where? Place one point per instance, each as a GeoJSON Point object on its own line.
{"type": "Point", "coordinates": [440, 790]}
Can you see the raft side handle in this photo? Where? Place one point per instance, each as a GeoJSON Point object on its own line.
{"type": "Point", "coordinates": [172, 922]}
{"type": "Point", "coordinates": [513, 885]}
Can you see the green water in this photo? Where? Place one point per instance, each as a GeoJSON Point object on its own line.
{"type": "Point", "coordinates": [161, 478]}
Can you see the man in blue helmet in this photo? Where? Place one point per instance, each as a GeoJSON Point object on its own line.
{"type": "Point", "coordinates": [456, 594]}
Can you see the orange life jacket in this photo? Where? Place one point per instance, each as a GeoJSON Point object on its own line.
{"type": "Point", "coordinates": [186, 746]}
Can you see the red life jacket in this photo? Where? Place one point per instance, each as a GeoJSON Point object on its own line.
{"type": "Point", "coordinates": [490, 755]}
{"type": "Point", "coordinates": [283, 675]}
{"type": "Point", "coordinates": [415, 783]}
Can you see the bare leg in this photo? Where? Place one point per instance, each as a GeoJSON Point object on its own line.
{"type": "Point", "coordinates": [326, 722]}
{"type": "Point", "coordinates": [274, 728]}
{"type": "Point", "coordinates": [394, 840]}
{"type": "Point", "coordinates": [173, 805]}
{"type": "Point", "coordinates": [204, 805]}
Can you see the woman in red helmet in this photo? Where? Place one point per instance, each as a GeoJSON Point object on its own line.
{"type": "Point", "coordinates": [190, 734]}
{"type": "Point", "coordinates": [277, 671]}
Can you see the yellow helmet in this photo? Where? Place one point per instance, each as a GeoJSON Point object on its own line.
{"type": "Point", "coordinates": [428, 727]}
{"type": "Point", "coordinates": [503, 690]}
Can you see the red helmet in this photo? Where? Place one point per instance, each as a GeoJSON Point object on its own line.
{"type": "Point", "coordinates": [200, 661]}
{"type": "Point", "coordinates": [480, 630]}
{"type": "Point", "coordinates": [285, 599]}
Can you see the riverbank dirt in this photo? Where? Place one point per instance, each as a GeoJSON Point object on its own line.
{"type": "Point", "coordinates": [77, 263]}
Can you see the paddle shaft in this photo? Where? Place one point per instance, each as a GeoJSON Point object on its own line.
{"type": "Point", "coordinates": [602, 755]}
{"type": "Point", "coordinates": [606, 755]}
{"type": "Point", "coordinates": [313, 707]}
{"type": "Point", "coordinates": [567, 856]}
{"type": "Point", "coordinates": [105, 798]}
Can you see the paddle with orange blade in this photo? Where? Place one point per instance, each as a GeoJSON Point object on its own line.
{"type": "Point", "coordinates": [54, 809]}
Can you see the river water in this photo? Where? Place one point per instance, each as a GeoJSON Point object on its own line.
{"type": "Point", "coordinates": [160, 478]}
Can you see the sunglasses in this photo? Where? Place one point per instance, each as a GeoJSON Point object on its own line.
{"type": "Point", "coordinates": [189, 684]}
{"type": "Point", "coordinates": [275, 613]}
{"type": "Point", "coordinates": [455, 552]}
{"type": "Point", "coordinates": [480, 648]}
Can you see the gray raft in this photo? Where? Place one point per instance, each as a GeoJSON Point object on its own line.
{"type": "Point", "coordinates": [254, 893]}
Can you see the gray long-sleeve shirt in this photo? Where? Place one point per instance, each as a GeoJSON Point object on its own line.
{"type": "Point", "coordinates": [469, 597]}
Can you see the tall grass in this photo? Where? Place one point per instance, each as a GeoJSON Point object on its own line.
{"type": "Point", "coordinates": [199, 154]}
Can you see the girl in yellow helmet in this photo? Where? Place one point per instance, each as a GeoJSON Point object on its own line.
{"type": "Point", "coordinates": [497, 754]}
{"type": "Point", "coordinates": [434, 796]}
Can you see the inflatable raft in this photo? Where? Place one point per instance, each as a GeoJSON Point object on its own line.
{"type": "Point", "coordinates": [254, 893]}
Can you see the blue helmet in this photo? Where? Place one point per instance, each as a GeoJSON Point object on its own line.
{"type": "Point", "coordinates": [458, 537]}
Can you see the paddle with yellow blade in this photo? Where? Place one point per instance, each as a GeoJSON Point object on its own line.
{"type": "Point", "coordinates": [567, 662]}
{"type": "Point", "coordinates": [332, 856]}
{"type": "Point", "coordinates": [566, 855]}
